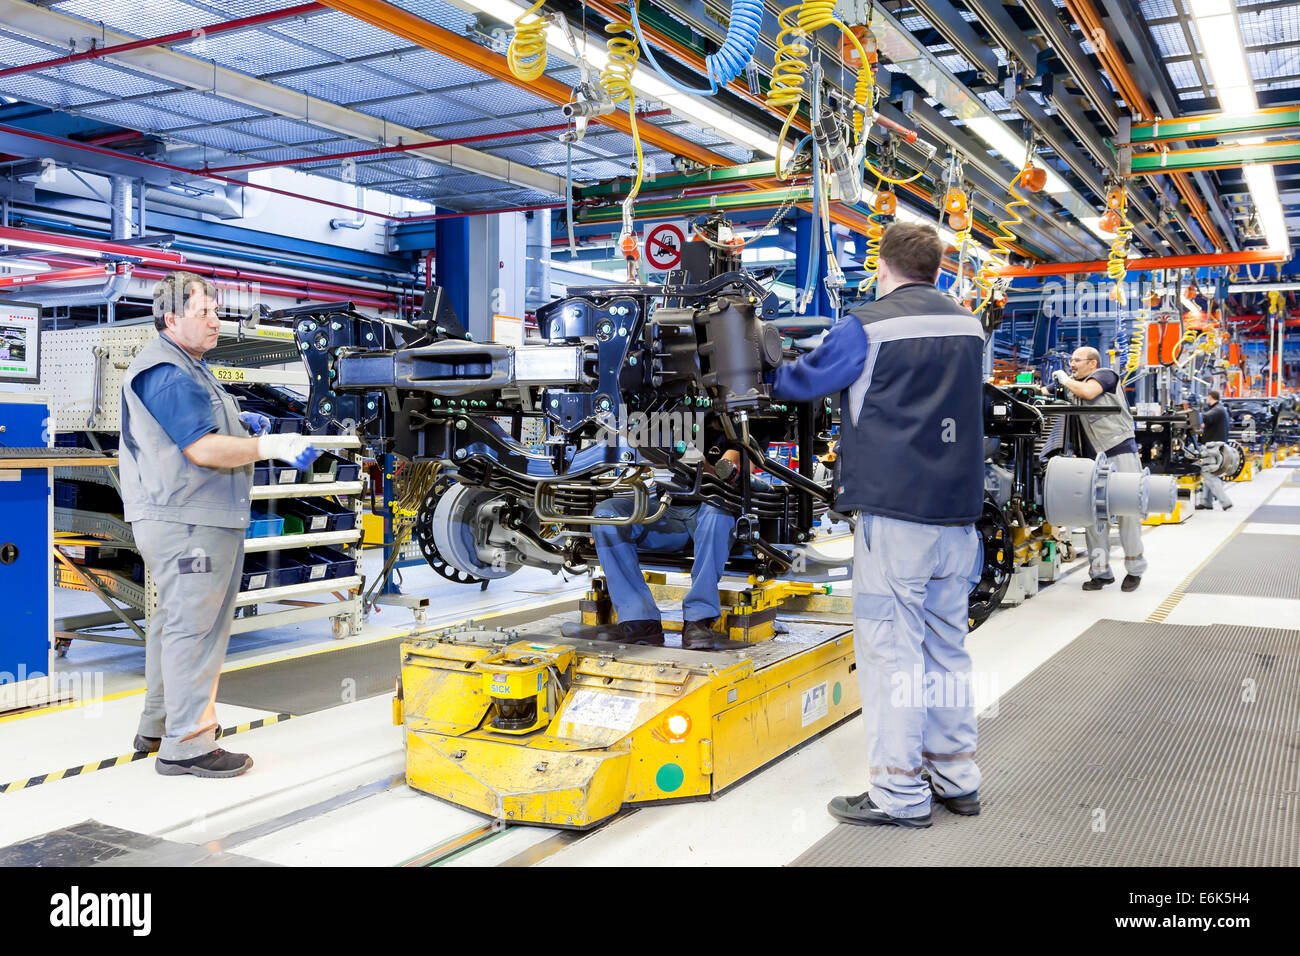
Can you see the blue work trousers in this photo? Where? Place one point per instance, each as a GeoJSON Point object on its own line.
{"type": "Point", "coordinates": [617, 546]}
{"type": "Point", "coordinates": [911, 583]}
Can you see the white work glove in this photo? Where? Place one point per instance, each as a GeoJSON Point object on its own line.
{"type": "Point", "coordinates": [1061, 376]}
{"type": "Point", "coordinates": [297, 450]}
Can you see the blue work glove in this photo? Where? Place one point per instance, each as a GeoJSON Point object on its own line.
{"type": "Point", "coordinates": [257, 424]}
{"type": "Point", "coordinates": [297, 450]}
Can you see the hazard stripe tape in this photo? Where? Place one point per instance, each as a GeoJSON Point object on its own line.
{"type": "Point", "coordinates": [127, 758]}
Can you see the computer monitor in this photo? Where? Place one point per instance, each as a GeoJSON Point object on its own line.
{"type": "Point", "coordinates": [20, 342]}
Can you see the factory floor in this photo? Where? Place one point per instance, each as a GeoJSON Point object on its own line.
{"type": "Point", "coordinates": [327, 787]}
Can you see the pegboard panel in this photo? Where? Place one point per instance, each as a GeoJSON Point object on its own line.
{"type": "Point", "coordinates": [69, 365]}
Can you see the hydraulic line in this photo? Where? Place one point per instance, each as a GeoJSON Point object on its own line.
{"type": "Point", "coordinates": [527, 53]}
{"type": "Point", "coordinates": [729, 61]}
{"type": "Point", "coordinates": [999, 256]}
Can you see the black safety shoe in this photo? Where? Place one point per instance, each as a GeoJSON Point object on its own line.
{"type": "Point", "coordinates": [860, 811]}
{"type": "Point", "coordinates": [700, 636]}
{"type": "Point", "coordinates": [1096, 584]}
{"type": "Point", "coordinates": [1205, 507]}
{"type": "Point", "coordinates": [214, 763]}
{"type": "Point", "coordinates": [1131, 582]}
{"type": "Point", "coordinates": [632, 632]}
{"type": "Point", "coordinates": [966, 805]}
{"type": "Point", "coordinates": [150, 745]}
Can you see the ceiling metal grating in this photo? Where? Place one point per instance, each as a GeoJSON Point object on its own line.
{"type": "Point", "coordinates": [436, 11]}
{"type": "Point", "coordinates": [15, 51]}
{"type": "Point", "coordinates": [279, 130]}
{"type": "Point", "coordinates": [219, 137]}
{"type": "Point", "coordinates": [140, 18]}
{"type": "Point", "coordinates": [419, 112]}
{"type": "Point", "coordinates": [505, 99]}
{"type": "Point", "coordinates": [342, 35]}
{"type": "Point", "coordinates": [115, 83]}
{"type": "Point", "coordinates": [204, 107]}
{"type": "Point", "coordinates": [254, 52]}
{"type": "Point", "coordinates": [1169, 39]}
{"type": "Point", "coordinates": [1276, 26]}
{"type": "Point", "coordinates": [1159, 9]}
{"type": "Point", "coordinates": [43, 92]}
{"type": "Point", "coordinates": [425, 69]}
{"type": "Point", "coordinates": [137, 116]}
{"type": "Point", "coordinates": [344, 84]}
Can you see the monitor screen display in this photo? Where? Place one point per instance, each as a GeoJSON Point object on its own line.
{"type": "Point", "coordinates": [20, 352]}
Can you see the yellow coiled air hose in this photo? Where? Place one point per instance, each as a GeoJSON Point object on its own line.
{"type": "Point", "coordinates": [527, 53]}
{"type": "Point", "coordinates": [999, 256]}
{"type": "Point", "coordinates": [871, 261]}
{"type": "Point", "coordinates": [795, 24]}
{"type": "Point", "coordinates": [1117, 260]}
{"type": "Point", "coordinates": [1136, 343]}
{"type": "Point", "coordinates": [616, 80]}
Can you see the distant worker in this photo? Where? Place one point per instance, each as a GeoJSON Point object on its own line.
{"type": "Point", "coordinates": [186, 475]}
{"type": "Point", "coordinates": [1214, 431]}
{"type": "Point", "coordinates": [1110, 434]}
{"type": "Point", "coordinates": [911, 465]}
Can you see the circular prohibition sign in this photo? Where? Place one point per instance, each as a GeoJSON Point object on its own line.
{"type": "Point", "coordinates": [663, 246]}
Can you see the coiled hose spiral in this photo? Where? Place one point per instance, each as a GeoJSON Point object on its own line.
{"type": "Point", "coordinates": [729, 61]}
{"type": "Point", "coordinates": [527, 53]}
{"type": "Point", "coordinates": [999, 256]}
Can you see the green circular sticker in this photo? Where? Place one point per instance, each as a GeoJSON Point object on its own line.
{"type": "Point", "coordinates": [837, 693]}
{"type": "Point", "coordinates": [669, 777]}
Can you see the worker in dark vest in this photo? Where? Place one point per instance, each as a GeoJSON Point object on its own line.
{"type": "Point", "coordinates": [908, 367]}
{"type": "Point", "coordinates": [1112, 434]}
{"type": "Point", "coordinates": [186, 472]}
{"type": "Point", "coordinates": [1214, 432]}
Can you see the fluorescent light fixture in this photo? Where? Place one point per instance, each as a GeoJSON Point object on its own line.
{"type": "Point", "coordinates": [1012, 148]}
{"type": "Point", "coordinates": [25, 243]}
{"type": "Point", "coordinates": [1220, 33]}
{"type": "Point", "coordinates": [24, 265]}
{"type": "Point", "coordinates": [646, 83]}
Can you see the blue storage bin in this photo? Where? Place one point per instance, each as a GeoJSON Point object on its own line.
{"type": "Point", "coordinates": [274, 473]}
{"type": "Point", "coordinates": [271, 569]}
{"type": "Point", "coordinates": [331, 467]}
{"type": "Point", "coordinates": [338, 564]}
{"type": "Point", "coordinates": [264, 525]}
{"type": "Point", "coordinates": [320, 515]}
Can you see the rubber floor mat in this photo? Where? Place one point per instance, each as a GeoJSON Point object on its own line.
{"type": "Point", "coordinates": [1254, 565]}
{"type": "Point", "coordinates": [1136, 745]}
{"type": "Point", "coordinates": [304, 685]}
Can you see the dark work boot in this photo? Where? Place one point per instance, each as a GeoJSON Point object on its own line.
{"type": "Point", "coordinates": [632, 632]}
{"type": "Point", "coordinates": [1096, 584]}
{"type": "Point", "coordinates": [966, 805]}
{"type": "Point", "coordinates": [700, 636]}
{"type": "Point", "coordinates": [214, 763]}
{"type": "Point", "coordinates": [1131, 582]}
{"type": "Point", "coordinates": [860, 811]}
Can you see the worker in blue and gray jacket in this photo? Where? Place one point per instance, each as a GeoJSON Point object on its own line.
{"type": "Point", "coordinates": [186, 473]}
{"type": "Point", "coordinates": [911, 465]}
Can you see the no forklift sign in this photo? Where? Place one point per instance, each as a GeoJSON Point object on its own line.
{"type": "Point", "coordinates": [663, 245]}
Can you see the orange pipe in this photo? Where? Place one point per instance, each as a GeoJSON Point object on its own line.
{"type": "Point", "coordinates": [1085, 14]}
{"type": "Point", "coordinates": [421, 32]}
{"type": "Point", "coordinates": [1140, 265]}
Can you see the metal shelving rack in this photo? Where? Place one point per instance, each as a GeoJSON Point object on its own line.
{"type": "Point", "coordinates": [87, 368]}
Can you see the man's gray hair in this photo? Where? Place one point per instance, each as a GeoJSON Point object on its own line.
{"type": "Point", "coordinates": [174, 290]}
{"type": "Point", "coordinates": [1089, 353]}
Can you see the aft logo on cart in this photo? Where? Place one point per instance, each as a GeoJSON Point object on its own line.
{"type": "Point", "coordinates": [76, 909]}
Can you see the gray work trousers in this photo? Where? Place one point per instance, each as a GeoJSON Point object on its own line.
{"type": "Point", "coordinates": [1212, 489]}
{"type": "Point", "coordinates": [911, 588]}
{"type": "Point", "coordinates": [1130, 533]}
{"type": "Point", "coordinates": [197, 570]}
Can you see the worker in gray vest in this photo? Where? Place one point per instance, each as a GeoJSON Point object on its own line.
{"type": "Point", "coordinates": [1214, 433]}
{"type": "Point", "coordinates": [1111, 434]}
{"type": "Point", "coordinates": [186, 461]}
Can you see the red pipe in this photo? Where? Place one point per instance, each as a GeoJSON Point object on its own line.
{"type": "Point", "coordinates": [407, 147]}
{"type": "Point", "coordinates": [94, 53]}
{"type": "Point", "coordinates": [114, 154]}
{"type": "Point", "coordinates": [56, 275]}
{"type": "Point", "coordinates": [76, 244]}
